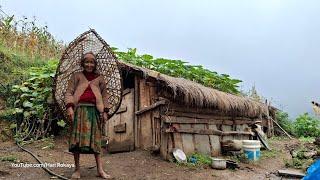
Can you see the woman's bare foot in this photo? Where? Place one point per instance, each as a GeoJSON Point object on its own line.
{"type": "Point", "coordinates": [103, 174]}
{"type": "Point", "coordinates": [75, 175]}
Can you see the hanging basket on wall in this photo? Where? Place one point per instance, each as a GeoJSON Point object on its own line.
{"type": "Point", "coordinates": [107, 66]}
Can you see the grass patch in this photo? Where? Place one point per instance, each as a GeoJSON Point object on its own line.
{"type": "Point", "coordinates": [196, 160]}
{"type": "Point", "coordinates": [300, 159]}
{"type": "Point", "coordinates": [270, 154]}
{"type": "Point", "coordinates": [9, 158]}
{"type": "Point", "coordinates": [307, 139]}
{"type": "Point", "coordinates": [44, 143]}
{"type": "Point", "coordinates": [278, 138]}
{"type": "Point", "coordinates": [299, 163]}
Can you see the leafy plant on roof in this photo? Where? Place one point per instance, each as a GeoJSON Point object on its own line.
{"type": "Point", "coordinates": [179, 68]}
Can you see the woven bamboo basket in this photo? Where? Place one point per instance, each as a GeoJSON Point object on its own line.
{"type": "Point", "coordinates": [107, 65]}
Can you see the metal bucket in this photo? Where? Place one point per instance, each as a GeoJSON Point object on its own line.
{"type": "Point", "coordinates": [218, 163]}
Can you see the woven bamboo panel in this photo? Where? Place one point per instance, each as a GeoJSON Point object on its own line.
{"type": "Point", "coordinates": [107, 65]}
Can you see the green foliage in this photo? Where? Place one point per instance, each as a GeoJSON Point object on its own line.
{"type": "Point", "coordinates": [284, 121]}
{"type": "Point", "coordinates": [47, 143]}
{"type": "Point", "coordinates": [299, 158]}
{"type": "Point", "coordinates": [34, 92]}
{"type": "Point", "coordinates": [307, 139]}
{"type": "Point", "coordinates": [61, 123]}
{"type": "Point", "coordinates": [201, 159]}
{"type": "Point", "coordinates": [23, 44]}
{"type": "Point", "coordinates": [33, 102]}
{"type": "Point", "coordinates": [270, 153]}
{"type": "Point", "coordinates": [304, 126]}
{"type": "Point", "coordinates": [307, 126]}
{"type": "Point", "coordinates": [179, 68]}
{"type": "Point", "coordinates": [10, 158]}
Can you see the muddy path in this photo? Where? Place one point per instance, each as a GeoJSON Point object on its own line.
{"type": "Point", "coordinates": [134, 165]}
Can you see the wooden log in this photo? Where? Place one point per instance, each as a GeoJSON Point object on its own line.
{"type": "Point", "coordinates": [164, 143]}
{"type": "Point", "coordinates": [282, 129]}
{"type": "Point", "coordinates": [208, 116]}
{"type": "Point", "coordinates": [153, 132]}
{"type": "Point", "coordinates": [215, 120]}
{"type": "Point", "coordinates": [181, 109]}
{"type": "Point", "coordinates": [207, 131]}
{"type": "Point", "coordinates": [157, 131]}
{"type": "Point", "coordinates": [272, 131]}
{"type": "Point", "coordinates": [268, 127]}
{"type": "Point", "coordinates": [136, 108]}
{"type": "Point", "coordinates": [126, 91]}
{"type": "Point", "coordinates": [151, 107]}
{"type": "Point", "coordinates": [178, 108]}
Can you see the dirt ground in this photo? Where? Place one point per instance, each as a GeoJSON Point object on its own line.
{"type": "Point", "coordinates": [136, 165]}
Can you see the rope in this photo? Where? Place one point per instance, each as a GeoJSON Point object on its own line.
{"type": "Point", "coordinates": [46, 169]}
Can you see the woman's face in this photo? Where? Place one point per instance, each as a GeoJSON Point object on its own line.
{"type": "Point", "coordinates": [89, 63]}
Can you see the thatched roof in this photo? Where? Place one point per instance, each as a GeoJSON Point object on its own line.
{"type": "Point", "coordinates": [197, 95]}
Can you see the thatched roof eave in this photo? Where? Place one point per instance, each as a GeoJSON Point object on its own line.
{"type": "Point", "coordinates": [197, 95]}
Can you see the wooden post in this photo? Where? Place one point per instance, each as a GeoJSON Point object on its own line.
{"type": "Point", "coordinates": [136, 108]}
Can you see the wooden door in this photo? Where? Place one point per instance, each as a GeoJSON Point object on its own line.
{"type": "Point", "coordinates": [120, 126]}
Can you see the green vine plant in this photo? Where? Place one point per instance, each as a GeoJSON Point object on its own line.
{"type": "Point", "coordinates": [179, 68]}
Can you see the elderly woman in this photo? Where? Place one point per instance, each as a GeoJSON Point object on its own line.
{"type": "Point", "coordinates": [87, 108]}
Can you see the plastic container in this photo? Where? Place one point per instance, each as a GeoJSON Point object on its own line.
{"type": "Point", "coordinates": [218, 163]}
{"type": "Point", "coordinates": [179, 155]}
{"type": "Point", "coordinates": [251, 149]}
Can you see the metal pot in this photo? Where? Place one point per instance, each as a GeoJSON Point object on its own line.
{"type": "Point", "coordinates": [218, 163]}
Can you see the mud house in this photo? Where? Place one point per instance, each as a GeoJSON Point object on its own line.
{"type": "Point", "coordinates": [160, 112]}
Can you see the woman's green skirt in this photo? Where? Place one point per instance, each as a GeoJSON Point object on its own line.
{"type": "Point", "coordinates": [85, 137]}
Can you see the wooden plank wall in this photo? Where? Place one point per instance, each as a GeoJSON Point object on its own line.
{"type": "Point", "coordinates": [122, 141]}
{"type": "Point", "coordinates": [190, 143]}
{"type": "Point", "coordinates": [147, 124]}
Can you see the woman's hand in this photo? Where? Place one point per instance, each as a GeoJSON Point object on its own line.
{"type": "Point", "coordinates": [70, 114]}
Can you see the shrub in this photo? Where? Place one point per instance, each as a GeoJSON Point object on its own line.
{"type": "Point", "coordinates": [284, 121]}
{"type": "Point", "coordinates": [34, 103]}
{"type": "Point", "coordinates": [307, 126]}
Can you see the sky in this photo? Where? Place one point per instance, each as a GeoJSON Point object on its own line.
{"type": "Point", "coordinates": [270, 44]}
